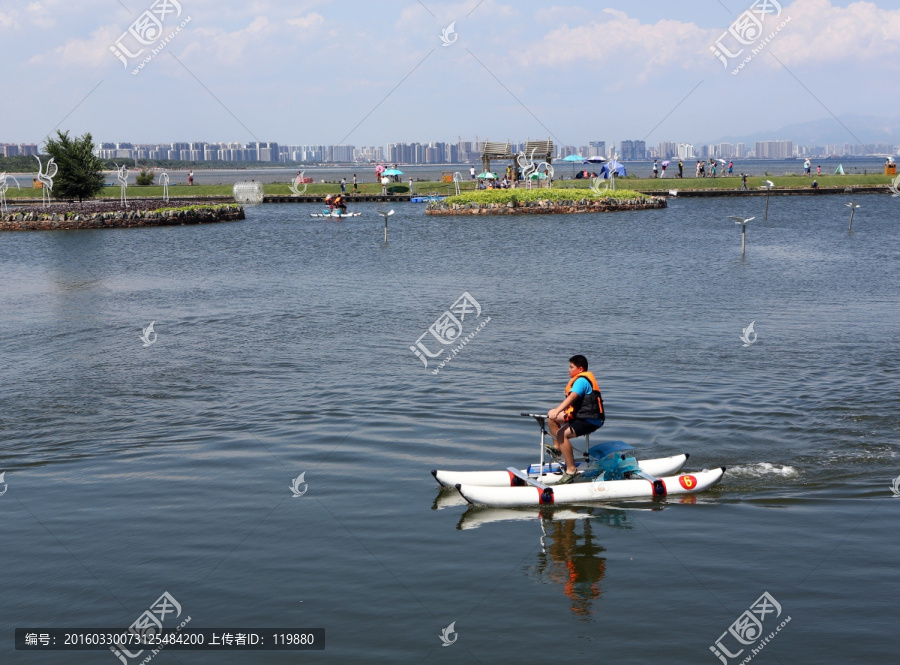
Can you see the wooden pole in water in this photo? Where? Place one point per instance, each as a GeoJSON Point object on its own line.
{"type": "Point", "coordinates": [767, 204]}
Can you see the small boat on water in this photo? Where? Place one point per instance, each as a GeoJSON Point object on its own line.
{"type": "Point", "coordinates": [335, 213]}
{"type": "Point", "coordinates": [608, 470]}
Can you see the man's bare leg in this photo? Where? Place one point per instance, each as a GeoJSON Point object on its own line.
{"type": "Point", "coordinates": [561, 433]}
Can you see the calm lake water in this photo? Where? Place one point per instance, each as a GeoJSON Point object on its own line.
{"type": "Point", "coordinates": [282, 347]}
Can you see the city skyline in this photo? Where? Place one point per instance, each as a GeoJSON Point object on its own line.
{"type": "Point", "coordinates": [441, 152]}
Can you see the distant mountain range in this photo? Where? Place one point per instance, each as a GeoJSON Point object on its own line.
{"type": "Point", "coordinates": [866, 128]}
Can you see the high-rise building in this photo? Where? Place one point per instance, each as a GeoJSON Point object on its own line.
{"type": "Point", "coordinates": [774, 149]}
{"type": "Point", "coordinates": [667, 149]}
{"type": "Point", "coordinates": [685, 151]}
{"type": "Point", "coordinates": [632, 150]}
{"type": "Point", "coordinates": [596, 149]}
{"type": "Point", "coordinates": [342, 153]}
{"type": "Point", "coordinates": [725, 150]}
{"type": "Point", "coordinates": [740, 150]}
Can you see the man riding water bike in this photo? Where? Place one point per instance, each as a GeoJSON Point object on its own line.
{"type": "Point", "coordinates": [580, 413]}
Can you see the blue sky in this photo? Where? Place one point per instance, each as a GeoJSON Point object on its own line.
{"type": "Point", "coordinates": [371, 73]}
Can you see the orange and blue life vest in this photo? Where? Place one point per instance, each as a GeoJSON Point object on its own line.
{"type": "Point", "coordinates": [586, 407]}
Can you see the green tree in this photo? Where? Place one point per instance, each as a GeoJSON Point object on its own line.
{"type": "Point", "coordinates": [80, 171]}
{"type": "Point", "coordinates": [145, 177]}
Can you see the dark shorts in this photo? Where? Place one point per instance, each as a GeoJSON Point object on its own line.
{"type": "Point", "coordinates": [582, 427]}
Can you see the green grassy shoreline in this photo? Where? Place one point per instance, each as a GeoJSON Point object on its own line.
{"type": "Point", "coordinates": [645, 185]}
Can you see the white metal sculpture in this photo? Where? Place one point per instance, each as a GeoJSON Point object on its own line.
{"type": "Point", "coordinates": [164, 179]}
{"type": "Point", "coordinates": [248, 192]}
{"type": "Point", "coordinates": [4, 187]}
{"type": "Point", "coordinates": [612, 167]}
{"type": "Point", "coordinates": [295, 185]}
{"type": "Point", "coordinates": [457, 176]}
{"type": "Point", "coordinates": [527, 165]}
{"type": "Point", "coordinates": [122, 177]}
{"type": "Point", "coordinates": [548, 171]}
{"type": "Point", "coordinates": [46, 179]}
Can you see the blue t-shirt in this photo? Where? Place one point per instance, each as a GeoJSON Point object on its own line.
{"type": "Point", "coordinates": [583, 387]}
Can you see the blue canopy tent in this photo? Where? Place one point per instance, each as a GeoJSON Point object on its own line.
{"type": "Point", "coordinates": [616, 167]}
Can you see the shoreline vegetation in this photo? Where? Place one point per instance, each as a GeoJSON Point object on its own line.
{"type": "Point", "coordinates": [517, 196]}
{"type": "Point", "coordinates": [541, 201]}
{"type": "Point", "coordinates": [424, 188]}
{"type": "Point", "coordinates": [107, 214]}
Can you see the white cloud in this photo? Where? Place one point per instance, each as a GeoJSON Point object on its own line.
{"type": "Point", "coordinates": [8, 20]}
{"type": "Point", "coordinates": [311, 20]}
{"type": "Point", "coordinates": [619, 39]}
{"type": "Point", "coordinates": [90, 52]}
{"type": "Point", "coordinates": [820, 32]}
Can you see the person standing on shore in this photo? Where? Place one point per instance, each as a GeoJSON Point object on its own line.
{"type": "Point", "coordinates": [807, 167]}
{"type": "Point", "coordinates": [697, 169]}
{"type": "Point", "coordinates": [472, 172]}
{"type": "Point", "coordinates": [730, 169]}
{"type": "Point", "coordinates": [410, 185]}
{"type": "Point", "coordinates": [680, 169]}
{"type": "Point", "coordinates": [343, 185]}
{"type": "Point", "coordinates": [712, 170]}
{"type": "Point", "coordinates": [744, 187]}
{"type": "Point", "coordinates": [655, 169]}
{"type": "Point", "coordinates": [703, 169]}
{"type": "Point", "coordinates": [191, 177]}
{"type": "Point", "coordinates": [355, 187]}
{"type": "Point", "coordinates": [663, 170]}
{"type": "Point", "coordinates": [819, 170]}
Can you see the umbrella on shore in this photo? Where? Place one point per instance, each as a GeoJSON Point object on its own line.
{"type": "Point", "coordinates": [392, 172]}
{"type": "Point", "coordinates": [573, 159]}
{"type": "Point", "coordinates": [487, 175]}
{"type": "Point", "coordinates": [666, 163]}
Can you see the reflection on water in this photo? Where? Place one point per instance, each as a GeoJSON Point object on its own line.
{"type": "Point", "coordinates": [569, 555]}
